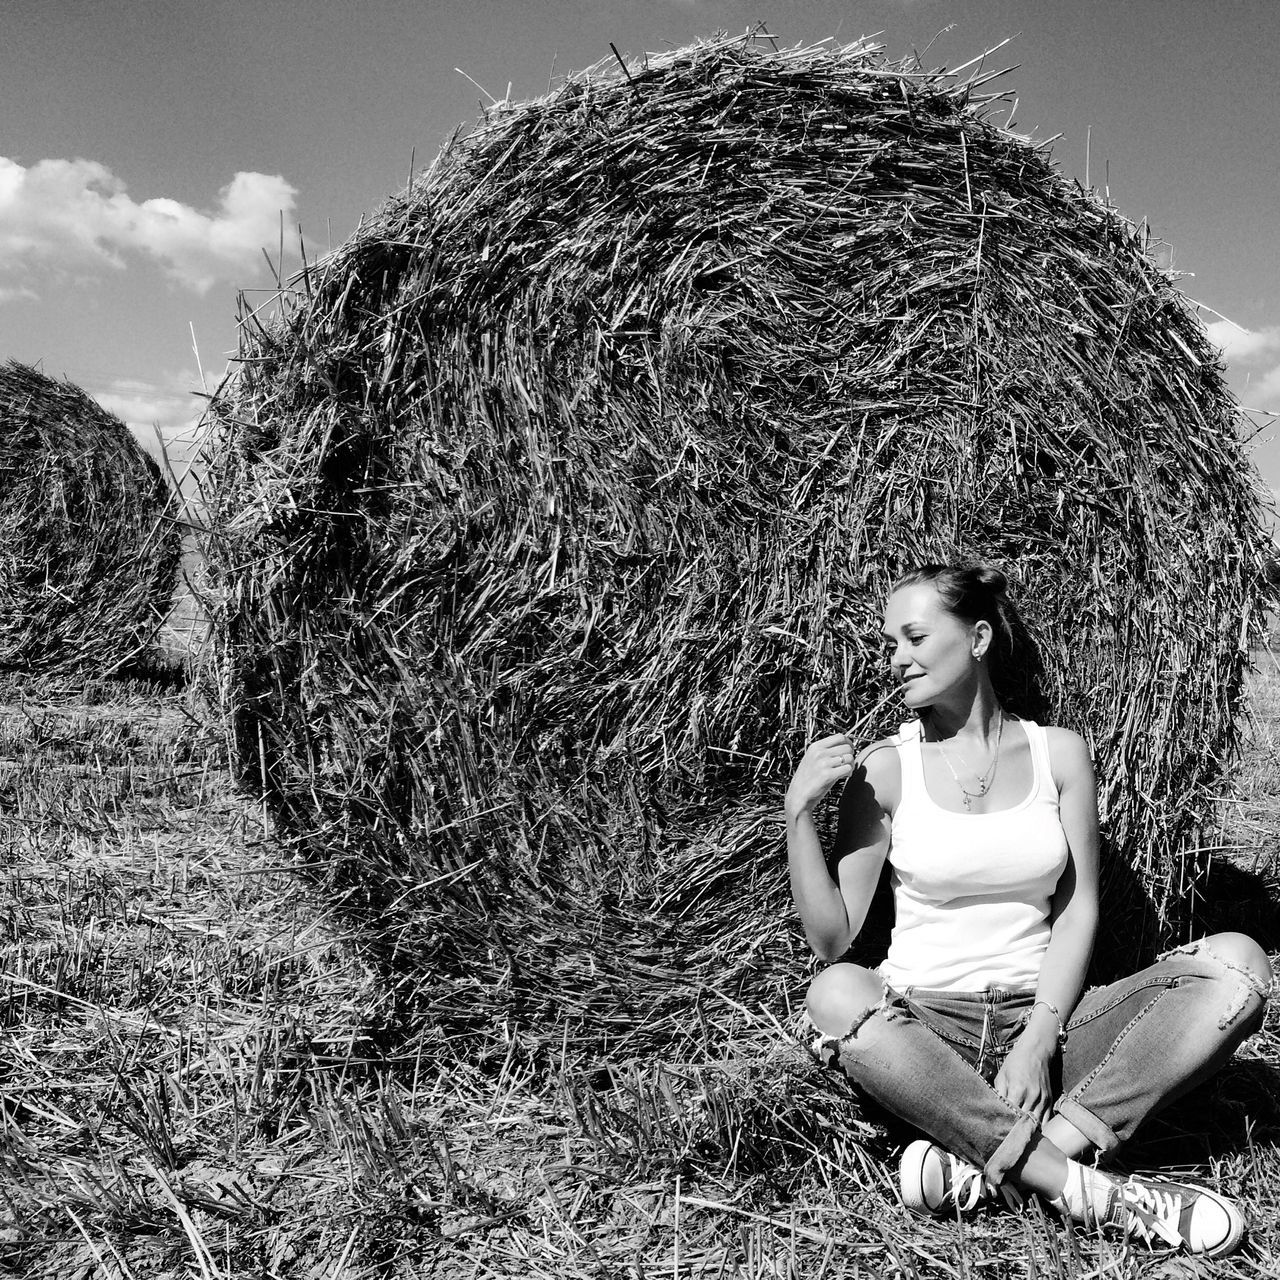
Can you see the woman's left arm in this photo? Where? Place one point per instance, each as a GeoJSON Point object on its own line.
{"type": "Point", "coordinates": [1073, 919]}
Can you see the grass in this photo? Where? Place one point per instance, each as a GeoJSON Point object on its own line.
{"type": "Point", "coordinates": [203, 1078]}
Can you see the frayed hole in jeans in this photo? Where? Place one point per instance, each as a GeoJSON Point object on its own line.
{"type": "Point", "coordinates": [1249, 985]}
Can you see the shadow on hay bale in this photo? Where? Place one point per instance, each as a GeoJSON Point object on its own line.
{"type": "Point", "coordinates": [89, 551]}
{"type": "Point", "coordinates": [555, 510]}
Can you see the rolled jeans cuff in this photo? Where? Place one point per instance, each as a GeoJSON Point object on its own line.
{"type": "Point", "coordinates": [1102, 1136]}
{"type": "Point", "coordinates": [1012, 1148]}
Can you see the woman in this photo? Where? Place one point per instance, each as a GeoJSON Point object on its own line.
{"type": "Point", "coordinates": [973, 1028]}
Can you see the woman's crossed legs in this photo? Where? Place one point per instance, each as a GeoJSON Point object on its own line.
{"type": "Point", "coordinates": [1131, 1047]}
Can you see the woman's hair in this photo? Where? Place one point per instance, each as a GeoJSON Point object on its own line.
{"type": "Point", "coordinates": [974, 592]}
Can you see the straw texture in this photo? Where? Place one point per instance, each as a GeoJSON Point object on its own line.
{"type": "Point", "coordinates": [556, 509]}
{"type": "Point", "coordinates": [89, 550]}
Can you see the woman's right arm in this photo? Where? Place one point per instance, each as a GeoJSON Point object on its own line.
{"type": "Point", "coordinates": [834, 907]}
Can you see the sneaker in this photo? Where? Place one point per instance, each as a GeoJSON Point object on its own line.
{"type": "Point", "coordinates": [934, 1181]}
{"type": "Point", "coordinates": [1172, 1215]}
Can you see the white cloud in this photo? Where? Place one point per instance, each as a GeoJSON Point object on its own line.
{"type": "Point", "coordinates": [76, 214]}
{"type": "Point", "coordinates": [165, 420]}
{"type": "Point", "coordinates": [145, 403]}
{"type": "Point", "coordinates": [1264, 392]}
{"type": "Point", "coordinates": [169, 410]}
{"type": "Point", "coordinates": [1252, 357]}
{"type": "Point", "coordinates": [1243, 346]}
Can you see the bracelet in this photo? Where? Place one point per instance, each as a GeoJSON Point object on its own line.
{"type": "Point", "coordinates": [1053, 1009]}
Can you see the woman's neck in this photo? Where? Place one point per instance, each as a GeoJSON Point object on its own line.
{"type": "Point", "coordinates": [977, 717]}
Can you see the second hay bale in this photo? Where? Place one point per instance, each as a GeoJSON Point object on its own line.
{"type": "Point", "coordinates": [88, 545]}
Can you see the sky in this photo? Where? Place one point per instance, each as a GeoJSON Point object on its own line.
{"type": "Point", "coordinates": [157, 157]}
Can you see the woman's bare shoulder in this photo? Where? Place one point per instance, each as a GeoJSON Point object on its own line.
{"type": "Point", "coordinates": [882, 771]}
{"type": "Point", "coordinates": [880, 751]}
{"type": "Point", "coordinates": [1068, 753]}
{"type": "Point", "coordinates": [1067, 739]}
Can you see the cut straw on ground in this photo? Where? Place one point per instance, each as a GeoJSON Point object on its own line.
{"type": "Point", "coordinates": [203, 1077]}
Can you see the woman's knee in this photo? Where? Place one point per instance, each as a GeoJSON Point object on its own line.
{"type": "Point", "coordinates": [1239, 951]}
{"type": "Point", "coordinates": [842, 997]}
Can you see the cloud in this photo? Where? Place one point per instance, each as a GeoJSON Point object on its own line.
{"type": "Point", "coordinates": [171, 407]}
{"type": "Point", "coordinates": [1264, 392]}
{"type": "Point", "coordinates": [165, 420]}
{"type": "Point", "coordinates": [144, 406]}
{"type": "Point", "coordinates": [77, 215]}
{"type": "Point", "coordinates": [1252, 358]}
{"type": "Point", "coordinates": [1243, 346]}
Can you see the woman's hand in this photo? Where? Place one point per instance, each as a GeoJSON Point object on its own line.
{"type": "Point", "coordinates": [1023, 1080]}
{"type": "Point", "coordinates": [826, 762]}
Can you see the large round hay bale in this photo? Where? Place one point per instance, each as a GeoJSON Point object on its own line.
{"type": "Point", "coordinates": [556, 509]}
{"type": "Point", "coordinates": [90, 549]}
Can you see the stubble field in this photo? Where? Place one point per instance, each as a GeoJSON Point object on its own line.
{"type": "Point", "coordinates": [201, 1078]}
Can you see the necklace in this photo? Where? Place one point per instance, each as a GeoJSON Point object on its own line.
{"type": "Point", "coordinates": [986, 777]}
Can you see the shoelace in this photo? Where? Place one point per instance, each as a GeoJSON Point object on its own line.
{"type": "Point", "coordinates": [967, 1185]}
{"type": "Point", "coordinates": [964, 1183]}
{"type": "Point", "coordinates": [1147, 1211]}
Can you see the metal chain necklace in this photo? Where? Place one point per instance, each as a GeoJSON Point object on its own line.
{"type": "Point", "coordinates": [986, 777]}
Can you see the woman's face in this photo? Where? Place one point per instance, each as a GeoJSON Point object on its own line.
{"type": "Point", "coordinates": [931, 651]}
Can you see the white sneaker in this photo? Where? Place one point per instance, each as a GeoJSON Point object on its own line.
{"type": "Point", "coordinates": [934, 1181]}
{"type": "Point", "coordinates": [1171, 1215]}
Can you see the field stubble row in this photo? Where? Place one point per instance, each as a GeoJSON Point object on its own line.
{"type": "Point", "coordinates": [203, 1077]}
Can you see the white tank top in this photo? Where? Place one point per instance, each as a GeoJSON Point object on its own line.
{"type": "Point", "coordinates": [972, 890]}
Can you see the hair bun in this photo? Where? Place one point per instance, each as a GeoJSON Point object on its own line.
{"type": "Point", "coordinates": [991, 579]}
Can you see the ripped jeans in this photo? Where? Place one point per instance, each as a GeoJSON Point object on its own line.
{"type": "Point", "coordinates": [930, 1056]}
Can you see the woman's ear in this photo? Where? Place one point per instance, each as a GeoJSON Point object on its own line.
{"type": "Point", "coordinates": [982, 634]}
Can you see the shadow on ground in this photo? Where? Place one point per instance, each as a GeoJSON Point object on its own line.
{"type": "Point", "coordinates": [1242, 899]}
{"type": "Point", "coordinates": [1234, 1111]}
